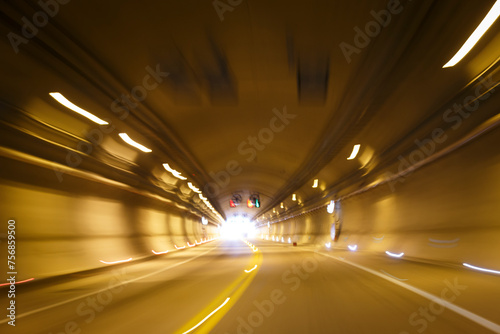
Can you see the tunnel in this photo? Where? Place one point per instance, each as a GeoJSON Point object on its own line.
{"type": "Point", "coordinates": [248, 166]}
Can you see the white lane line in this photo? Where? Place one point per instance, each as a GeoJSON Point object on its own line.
{"type": "Point", "coordinates": [208, 316]}
{"type": "Point", "coordinates": [457, 309]}
{"type": "Point", "coordinates": [399, 279]}
{"type": "Point", "coordinates": [250, 270]}
{"type": "Point", "coordinates": [48, 307]}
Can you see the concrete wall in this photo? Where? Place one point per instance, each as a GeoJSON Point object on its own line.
{"type": "Point", "coordinates": [447, 211]}
{"type": "Point", "coordinates": [69, 226]}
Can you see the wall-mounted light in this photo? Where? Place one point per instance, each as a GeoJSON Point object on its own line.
{"type": "Point", "coordinates": [204, 221]}
{"type": "Point", "coordinates": [193, 188]}
{"type": "Point", "coordinates": [133, 143]}
{"type": "Point", "coordinates": [65, 102]}
{"type": "Point", "coordinates": [294, 197]}
{"type": "Point", "coordinates": [175, 173]}
{"type": "Point", "coordinates": [331, 207]}
{"type": "Point", "coordinates": [315, 183]}
{"type": "Point", "coordinates": [282, 206]}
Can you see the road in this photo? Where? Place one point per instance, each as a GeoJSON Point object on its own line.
{"type": "Point", "coordinates": [272, 288]}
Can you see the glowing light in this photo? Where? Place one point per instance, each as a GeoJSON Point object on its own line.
{"type": "Point", "coordinates": [18, 282]}
{"type": "Point", "coordinates": [175, 173]}
{"type": "Point", "coordinates": [331, 207]}
{"type": "Point", "coordinates": [131, 142]}
{"type": "Point", "coordinates": [193, 188]}
{"type": "Point", "coordinates": [394, 255]}
{"type": "Point", "coordinates": [65, 102]}
{"type": "Point", "coordinates": [190, 244]}
{"type": "Point", "coordinates": [204, 221]}
{"type": "Point", "coordinates": [273, 238]}
{"type": "Point", "coordinates": [158, 253]}
{"type": "Point", "coordinates": [179, 247]}
{"type": "Point", "coordinates": [250, 270]}
{"type": "Point", "coordinates": [289, 240]}
{"type": "Point", "coordinates": [208, 316]}
{"type": "Point", "coordinates": [476, 35]}
{"type": "Point", "coordinates": [255, 249]}
{"type": "Point", "coordinates": [481, 269]}
{"type": "Point", "coordinates": [282, 239]}
{"type": "Point", "coordinates": [196, 242]}
{"type": "Point", "coordinates": [328, 245]}
{"type": "Point", "coordinates": [113, 262]}
{"type": "Point", "coordinates": [352, 247]}
{"type": "Point", "coordinates": [354, 152]}
{"type": "Point", "coordinates": [282, 206]}
{"type": "Point", "coordinates": [294, 197]}
{"type": "Point", "coordinates": [315, 183]}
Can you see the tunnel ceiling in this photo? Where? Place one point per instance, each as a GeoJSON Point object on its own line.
{"type": "Point", "coordinates": [243, 96]}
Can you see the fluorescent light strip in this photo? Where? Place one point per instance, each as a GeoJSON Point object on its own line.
{"type": "Point", "coordinates": [481, 269]}
{"type": "Point", "coordinates": [354, 152]}
{"type": "Point", "coordinates": [476, 35]}
{"type": "Point", "coordinates": [65, 102]}
{"type": "Point", "coordinates": [352, 248]}
{"type": "Point", "coordinates": [193, 188]}
{"type": "Point", "coordinates": [175, 173]}
{"type": "Point", "coordinates": [208, 316]}
{"type": "Point", "coordinates": [133, 143]}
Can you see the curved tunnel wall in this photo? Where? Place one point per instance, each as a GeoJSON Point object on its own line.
{"type": "Point", "coordinates": [447, 211]}
{"type": "Point", "coordinates": [69, 226]}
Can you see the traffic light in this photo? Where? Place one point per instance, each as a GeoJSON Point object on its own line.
{"type": "Point", "coordinates": [235, 200]}
{"type": "Point", "coordinates": [253, 201]}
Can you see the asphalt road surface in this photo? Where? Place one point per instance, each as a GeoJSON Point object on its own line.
{"type": "Point", "coordinates": [233, 286]}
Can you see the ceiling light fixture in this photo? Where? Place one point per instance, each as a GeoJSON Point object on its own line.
{"type": "Point", "coordinates": [476, 35]}
{"type": "Point", "coordinates": [65, 102]}
{"type": "Point", "coordinates": [175, 173]}
{"type": "Point", "coordinates": [131, 142]}
{"type": "Point", "coordinates": [354, 152]}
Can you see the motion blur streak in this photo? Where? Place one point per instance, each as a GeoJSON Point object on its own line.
{"type": "Point", "coordinates": [476, 35]}
{"type": "Point", "coordinates": [247, 113]}
{"type": "Point", "coordinates": [18, 282]}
